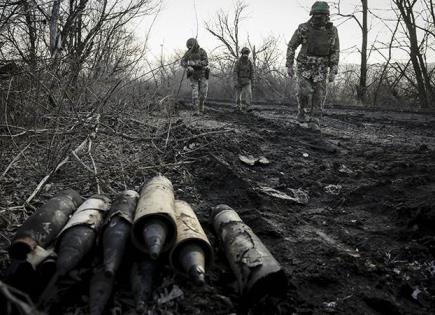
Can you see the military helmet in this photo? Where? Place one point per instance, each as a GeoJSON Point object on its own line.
{"type": "Point", "coordinates": [245, 50]}
{"type": "Point", "coordinates": [320, 7]}
{"type": "Point", "coordinates": [191, 42]}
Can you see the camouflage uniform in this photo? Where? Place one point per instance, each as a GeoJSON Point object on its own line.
{"type": "Point", "coordinates": [195, 61]}
{"type": "Point", "coordinates": [319, 53]}
{"type": "Point", "coordinates": [243, 76]}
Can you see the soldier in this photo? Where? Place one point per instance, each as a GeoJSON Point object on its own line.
{"type": "Point", "coordinates": [243, 80]}
{"type": "Point", "coordinates": [317, 62]}
{"type": "Point", "coordinates": [195, 61]}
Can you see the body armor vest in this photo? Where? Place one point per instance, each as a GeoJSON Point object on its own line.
{"type": "Point", "coordinates": [244, 72]}
{"type": "Point", "coordinates": [198, 70]}
{"type": "Point", "coordinates": [319, 41]}
{"type": "Point", "coordinates": [244, 69]}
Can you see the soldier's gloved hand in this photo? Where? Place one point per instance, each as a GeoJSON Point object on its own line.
{"type": "Point", "coordinates": [190, 63]}
{"type": "Point", "coordinates": [291, 72]}
{"type": "Point", "coordinates": [190, 69]}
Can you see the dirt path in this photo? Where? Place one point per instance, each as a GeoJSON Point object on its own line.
{"type": "Point", "coordinates": [363, 242]}
{"type": "Point", "coordinates": [360, 246]}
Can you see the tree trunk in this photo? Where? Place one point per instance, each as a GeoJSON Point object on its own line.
{"type": "Point", "coordinates": [417, 60]}
{"type": "Point", "coordinates": [30, 18]}
{"type": "Point", "coordinates": [362, 90]}
{"type": "Point", "coordinates": [54, 36]}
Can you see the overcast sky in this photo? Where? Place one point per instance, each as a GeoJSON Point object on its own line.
{"type": "Point", "coordinates": [177, 22]}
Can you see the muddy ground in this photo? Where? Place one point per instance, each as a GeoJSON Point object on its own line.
{"type": "Point", "coordinates": [363, 243]}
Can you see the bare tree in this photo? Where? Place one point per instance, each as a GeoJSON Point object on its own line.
{"type": "Point", "coordinates": [409, 13]}
{"type": "Point", "coordinates": [226, 29]}
{"type": "Point", "coordinates": [363, 25]}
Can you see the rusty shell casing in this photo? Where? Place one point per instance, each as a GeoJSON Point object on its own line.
{"type": "Point", "coordinates": [44, 262]}
{"type": "Point", "coordinates": [20, 272]}
{"type": "Point", "coordinates": [257, 271]}
{"type": "Point", "coordinates": [44, 225]}
{"type": "Point", "coordinates": [156, 202]}
{"type": "Point", "coordinates": [39, 255]}
{"type": "Point", "coordinates": [124, 206]}
{"type": "Point", "coordinates": [47, 268]}
{"type": "Point", "coordinates": [117, 230]}
{"type": "Point", "coordinates": [189, 231]}
{"type": "Point", "coordinates": [100, 290]}
{"type": "Point", "coordinates": [78, 237]}
{"type": "Point", "coordinates": [91, 213]}
{"type": "Point", "coordinates": [76, 243]}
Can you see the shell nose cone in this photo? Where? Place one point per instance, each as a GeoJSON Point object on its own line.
{"type": "Point", "coordinates": [197, 274]}
{"type": "Point", "coordinates": [155, 249]}
{"type": "Point", "coordinates": [154, 234]}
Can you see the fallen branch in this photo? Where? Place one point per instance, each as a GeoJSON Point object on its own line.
{"type": "Point", "coordinates": [125, 136]}
{"type": "Point", "coordinates": [140, 122]}
{"type": "Point", "coordinates": [92, 137]}
{"type": "Point", "coordinates": [205, 134]}
{"type": "Point", "coordinates": [19, 299]}
{"type": "Point", "coordinates": [14, 160]}
{"type": "Point", "coordinates": [166, 165]}
{"type": "Point", "coordinates": [36, 132]}
{"type": "Point", "coordinates": [169, 132]}
{"type": "Point", "coordinates": [58, 166]}
{"type": "Point", "coordinates": [80, 148]}
{"type": "Point", "coordinates": [93, 172]}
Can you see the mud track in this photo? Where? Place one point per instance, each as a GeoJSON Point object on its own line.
{"type": "Point", "coordinates": [366, 247]}
{"type": "Point", "coordinates": [364, 243]}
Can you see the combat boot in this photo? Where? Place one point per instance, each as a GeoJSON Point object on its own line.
{"type": "Point", "coordinates": [239, 106]}
{"type": "Point", "coordinates": [314, 125]}
{"type": "Point", "coordinates": [302, 120]}
{"type": "Point", "coordinates": [301, 117]}
{"type": "Point", "coordinates": [243, 107]}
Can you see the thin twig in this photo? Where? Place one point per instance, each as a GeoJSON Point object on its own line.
{"type": "Point", "coordinates": [94, 167]}
{"type": "Point", "coordinates": [205, 134]}
{"type": "Point", "coordinates": [91, 137]}
{"type": "Point", "coordinates": [102, 181]}
{"type": "Point", "coordinates": [123, 174]}
{"type": "Point", "coordinates": [169, 132]}
{"type": "Point", "coordinates": [81, 146]}
{"type": "Point", "coordinates": [58, 166]}
{"type": "Point", "coordinates": [19, 299]}
{"type": "Point", "coordinates": [14, 160]}
{"type": "Point", "coordinates": [167, 165]}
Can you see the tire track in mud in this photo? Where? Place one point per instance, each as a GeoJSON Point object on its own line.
{"type": "Point", "coordinates": [336, 248]}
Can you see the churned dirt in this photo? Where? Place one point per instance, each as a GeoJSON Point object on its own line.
{"type": "Point", "coordinates": [360, 240]}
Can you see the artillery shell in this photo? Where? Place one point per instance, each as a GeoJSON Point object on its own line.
{"type": "Point", "coordinates": [154, 228]}
{"type": "Point", "coordinates": [47, 268]}
{"type": "Point", "coordinates": [142, 278]}
{"type": "Point", "coordinates": [192, 261]}
{"type": "Point", "coordinates": [21, 273]}
{"type": "Point", "coordinates": [79, 235]}
{"type": "Point", "coordinates": [100, 290]}
{"type": "Point", "coordinates": [257, 271]}
{"type": "Point", "coordinates": [75, 244]}
{"type": "Point", "coordinates": [45, 224]}
{"type": "Point", "coordinates": [192, 251]}
{"type": "Point", "coordinates": [117, 230]}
